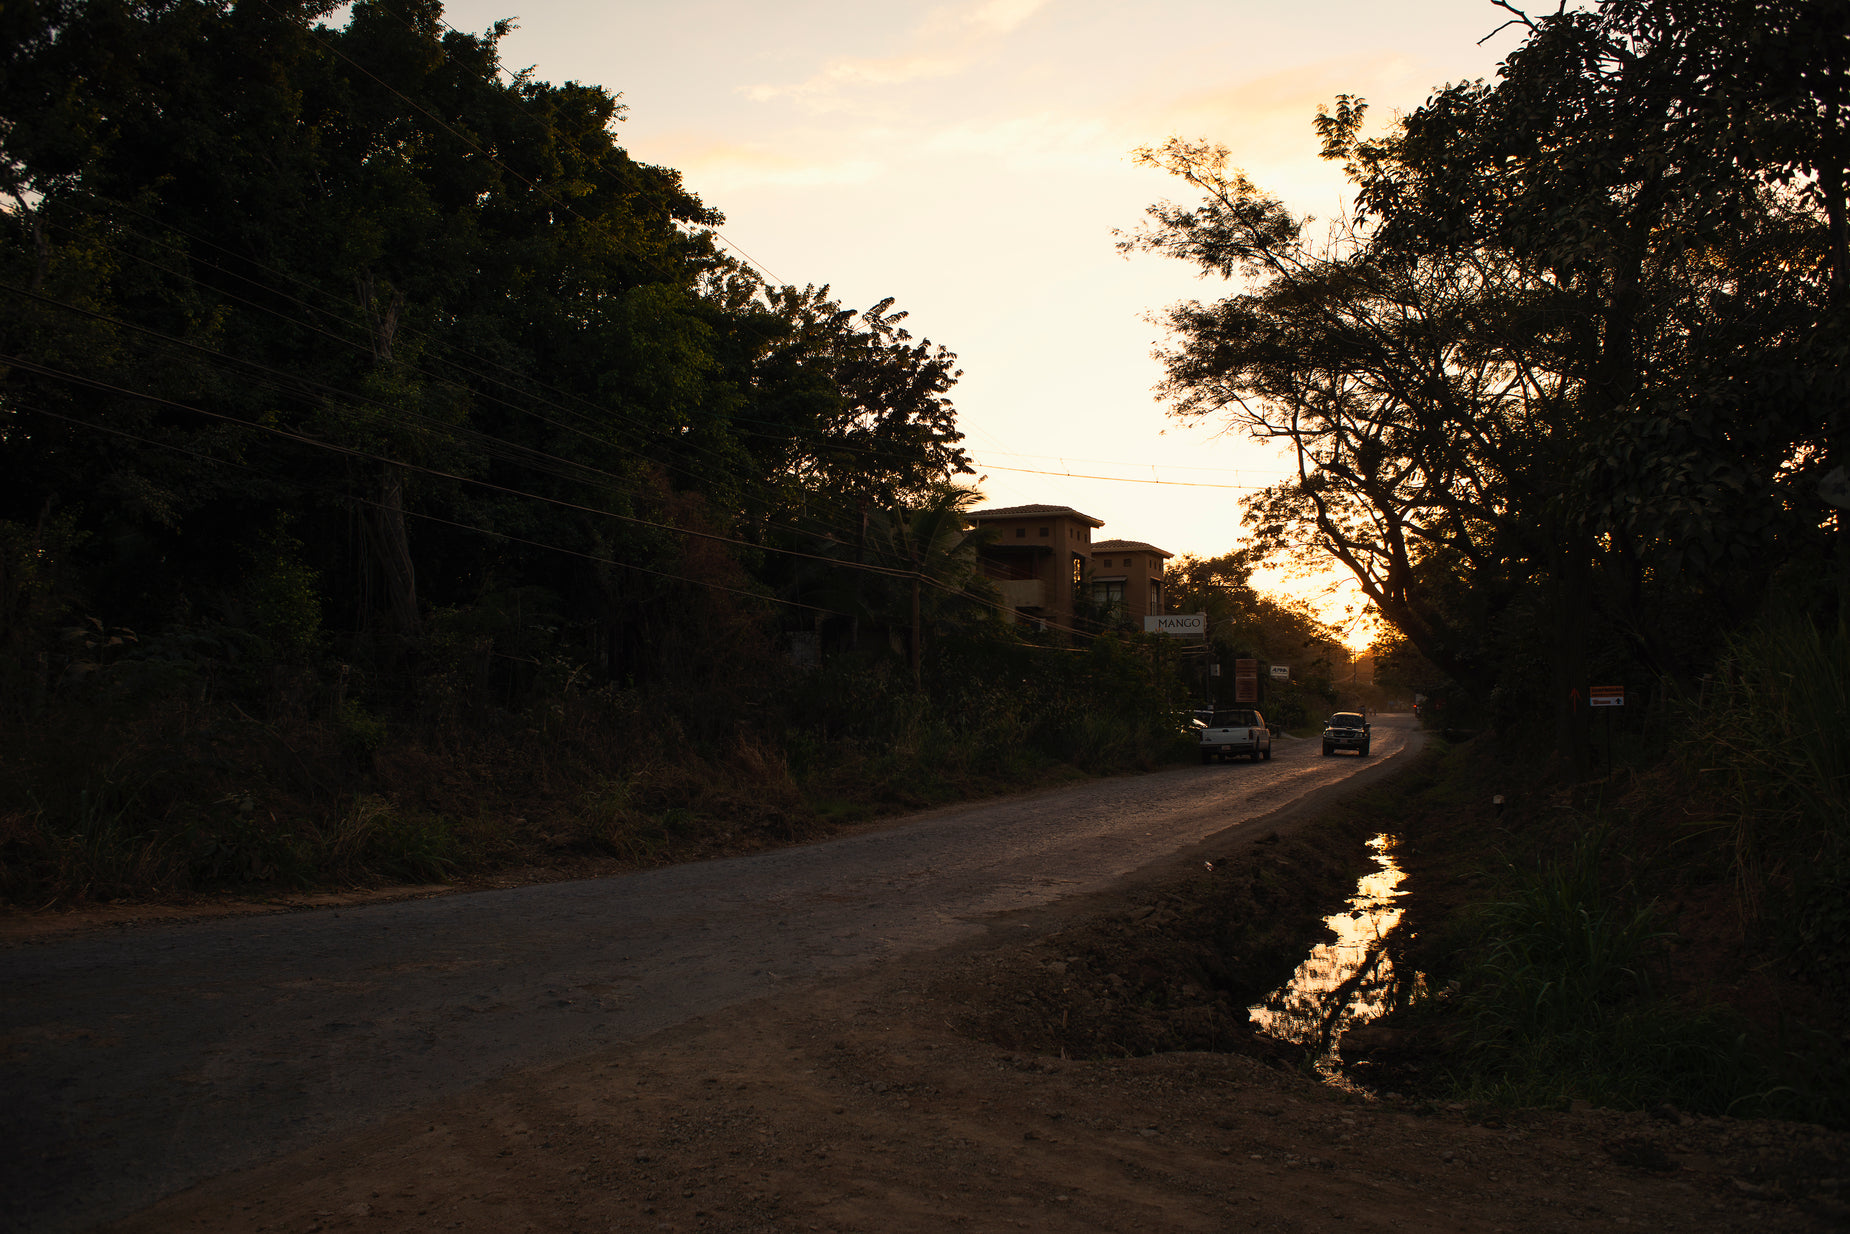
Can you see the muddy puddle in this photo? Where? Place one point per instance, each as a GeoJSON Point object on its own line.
{"type": "Point", "coordinates": [1349, 981]}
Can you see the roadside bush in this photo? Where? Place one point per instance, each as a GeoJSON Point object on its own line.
{"type": "Point", "coordinates": [1587, 947]}
{"type": "Point", "coordinates": [196, 760]}
{"type": "Point", "coordinates": [1770, 740]}
{"type": "Point", "coordinates": [1561, 998]}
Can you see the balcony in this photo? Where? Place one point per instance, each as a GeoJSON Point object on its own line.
{"type": "Point", "coordinates": [1023, 593]}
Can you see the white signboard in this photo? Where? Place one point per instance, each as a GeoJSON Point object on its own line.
{"type": "Point", "coordinates": [1182, 625]}
{"type": "Point", "coordinates": [1281, 672]}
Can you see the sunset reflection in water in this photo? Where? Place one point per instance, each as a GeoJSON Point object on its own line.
{"type": "Point", "coordinates": [1348, 981]}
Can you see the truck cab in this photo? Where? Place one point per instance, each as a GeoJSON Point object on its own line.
{"type": "Point", "coordinates": [1346, 730]}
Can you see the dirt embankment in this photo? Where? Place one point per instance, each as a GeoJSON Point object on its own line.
{"type": "Point", "coordinates": [861, 1110]}
{"type": "Point", "coordinates": [934, 1094]}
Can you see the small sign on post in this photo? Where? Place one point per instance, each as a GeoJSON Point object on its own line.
{"type": "Point", "coordinates": [1606, 696]}
{"type": "Point", "coordinates": [1281, 672]}
{"type": "Point", "coordinates": [1246, 681]}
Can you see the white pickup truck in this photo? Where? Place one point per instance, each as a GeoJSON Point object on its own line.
{"type": "Point", "coordinates": [1227, 734]}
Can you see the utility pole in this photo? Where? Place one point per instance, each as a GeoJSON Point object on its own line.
{"type": "Point", "coordinates": [916, 632]}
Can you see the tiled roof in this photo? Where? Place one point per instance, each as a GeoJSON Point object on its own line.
{"type": "Point", "coordinates": [1033, 511]}
{"type": "Point", "coordinates": [1128, 546]}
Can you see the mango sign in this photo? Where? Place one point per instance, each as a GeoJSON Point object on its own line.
{"type": "Point", "coordinates": [1182, 625]}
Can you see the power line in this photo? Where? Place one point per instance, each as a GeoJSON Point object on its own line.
{"type": "Point", "coordinates": [1073, 475]}
{"type": "Point", "coordinates": [917, 576]}
{"type": "Point", "coordinates": [570, 470]}
{"type": "Point", "coordinates": [432, 518]}
{"type": "Point", "coordinates": [354, 452]}
{"type": "Point", "coordinates": [610, 417]}
{"type": "Point", "coordinates": [519, 383]}
{"type": "Point", "coordinates": [304, 387]}
{"type": "Point", "coordinates": [470, 143]}
{"type": "Point", "coordinates": [296, 385]}
{"type": "Point", "coordinates": [562, 206]}
{"type": "Point", "coordinates": [1112, 462]}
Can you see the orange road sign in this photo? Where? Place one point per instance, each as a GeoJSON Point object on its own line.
{"type": "Point", "coordinates": [1605, 696]}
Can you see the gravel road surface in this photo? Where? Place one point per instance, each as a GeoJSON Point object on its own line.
{"type": "Point", "coordinates": [140, 1061]}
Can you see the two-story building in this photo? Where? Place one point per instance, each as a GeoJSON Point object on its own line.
{"type": "Point", "coordinates": [1044, 561]}
{"type": "Point", "coordinates": [1127, 579]}
{"type": "Point", "coordinates": [1038, 558]}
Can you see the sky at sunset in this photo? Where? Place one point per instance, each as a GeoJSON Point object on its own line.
{"type": "Point", "coordinates": [973, 160]}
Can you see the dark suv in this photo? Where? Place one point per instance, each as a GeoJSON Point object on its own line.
{"type": "Point", "coordinates": [1346, 730]}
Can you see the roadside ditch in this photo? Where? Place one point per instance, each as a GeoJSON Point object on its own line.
{"type": "Point", "coordinates": [1271, 952]}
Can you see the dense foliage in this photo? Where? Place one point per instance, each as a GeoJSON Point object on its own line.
{"type": "Point", "coordinates": [1565, 392]}
{"type": "Point", "coordinates": [396, 477]}
{"type": "Point", "coordinates": [338, 327]}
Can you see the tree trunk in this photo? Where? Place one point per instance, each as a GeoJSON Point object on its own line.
{"type": "Point", "coordinates": [1570, 588]}
{"type": "Point", "coordinates": [916, 635]}
{"type": "Point", "coordinates": [391, 549]}
{"type": "Point", "coordinates": [385, 521]}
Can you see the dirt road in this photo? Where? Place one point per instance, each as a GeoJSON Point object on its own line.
{"type": "Point", "coordinates": [927, 1093]}
{"type": "Point", "coordinates": [139, 1062]}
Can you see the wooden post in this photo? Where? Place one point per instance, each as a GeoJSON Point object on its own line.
{"type": "Point", "coordinates": [916, 632]}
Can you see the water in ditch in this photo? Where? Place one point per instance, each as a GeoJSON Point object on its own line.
{"type": "Point", "coordinates": [1349, 981]}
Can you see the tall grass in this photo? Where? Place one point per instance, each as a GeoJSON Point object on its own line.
{"type": "Point", "coordinates": [1563, 946]}
{"type": "Point", "coordinates": [105, 842]}
{"type": "Point", "coordinates": [1561, 999]}
{"type": "Point", "coordinates": [1770, 739]}
{"type": "Point", "coordinates": [1566, 983]}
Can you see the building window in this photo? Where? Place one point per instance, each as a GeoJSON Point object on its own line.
{"type": "Point", "coordinates": [1044, 531]}
{"type": "Point", "coordinates": [1021, 533]}
{"type": "Point", "coordinates": [1110, 594]}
